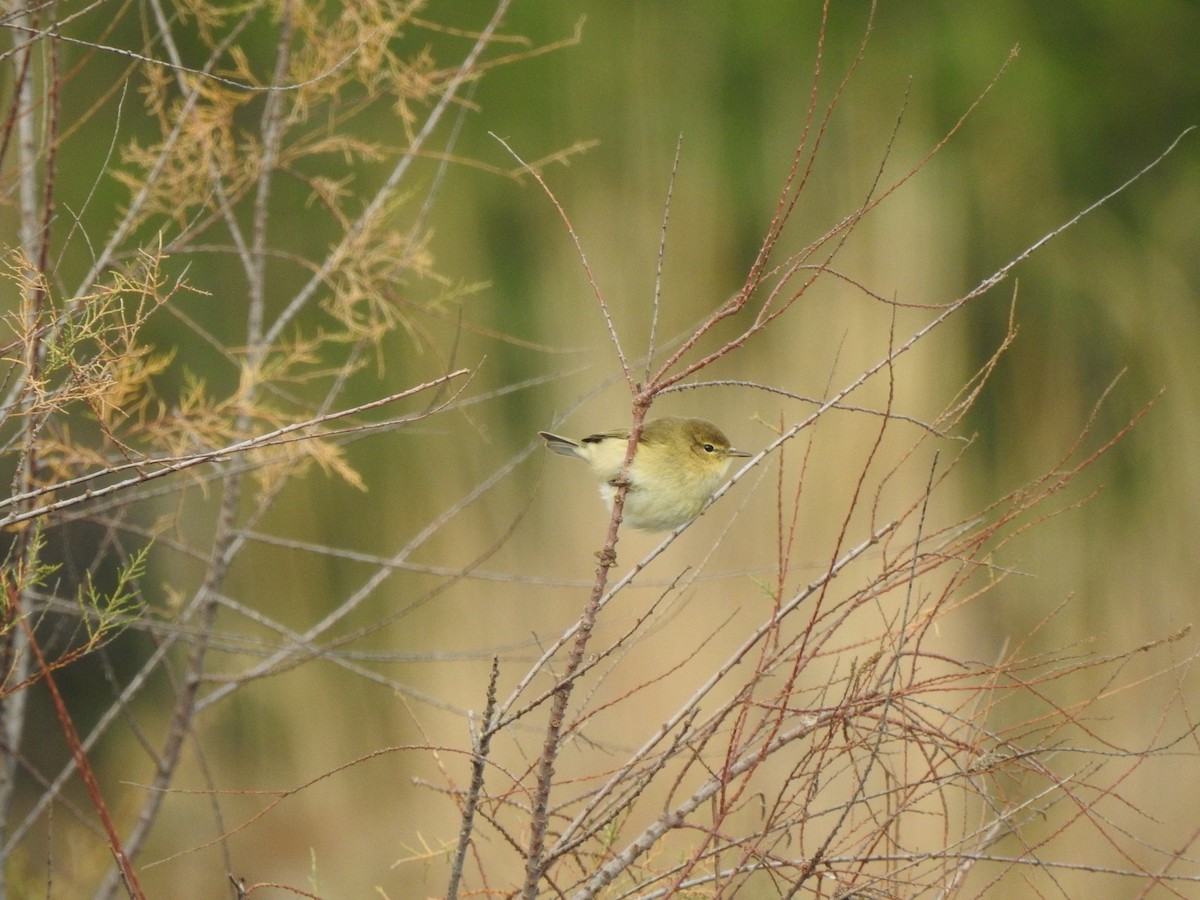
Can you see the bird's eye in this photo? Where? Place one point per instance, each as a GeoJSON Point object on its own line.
{"type": "Point", "coordinates": [709, 448]}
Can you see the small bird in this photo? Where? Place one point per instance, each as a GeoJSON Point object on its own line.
{"type": "Point", "coordinates": [678, 464]}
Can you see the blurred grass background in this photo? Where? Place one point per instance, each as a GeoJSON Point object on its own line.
{"type": "Point", "coordinates": [1097, 91]}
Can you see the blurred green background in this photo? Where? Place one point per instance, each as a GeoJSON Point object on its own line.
{"type": "Point", "coordinates": [1097, 91]}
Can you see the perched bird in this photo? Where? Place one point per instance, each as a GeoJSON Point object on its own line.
{"type": "Point", "coordinates": [678, 464]}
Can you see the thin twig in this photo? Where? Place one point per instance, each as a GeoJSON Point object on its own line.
{"type": "Point", "coordinates": [157, 467]}
{"type": "Point", "coordinates": [124, 866]}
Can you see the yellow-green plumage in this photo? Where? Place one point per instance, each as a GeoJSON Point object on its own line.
{"type": "Point", "coordinates": [678, 464]}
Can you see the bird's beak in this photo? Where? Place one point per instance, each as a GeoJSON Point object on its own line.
{"type": "Point", "coordinates": [732, 452]}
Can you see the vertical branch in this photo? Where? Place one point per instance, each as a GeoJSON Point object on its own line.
{"type": "Point", "coordinates": [272, 133]}
{"type": "Point", "coordinates": [124, 867]}
{"type": "Point", "coordinates": [483, 743]}
{"type": "Point", "coordinates": [50, 112]}
{"type": "Point", "coordinates": [540, 810]}
{"type": "Point", "coordinates": [33, 227]}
